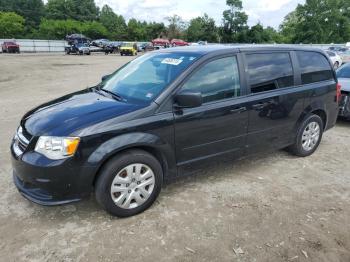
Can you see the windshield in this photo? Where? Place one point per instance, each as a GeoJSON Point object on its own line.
{"type": "Point", "coordinates": [344, 72]}
{"type": "Point", "coordinates": [144, 78]}
{"type": "Point", "coordinates": [127, 45]}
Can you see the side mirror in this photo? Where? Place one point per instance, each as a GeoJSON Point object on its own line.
{"type": "Point", "coordinates": [188, 99]}
{"type": "Point", "coordinates": [105, 77]}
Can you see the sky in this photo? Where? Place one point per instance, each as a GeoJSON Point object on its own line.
{"type": "Point", "coordinates": [267, 12]}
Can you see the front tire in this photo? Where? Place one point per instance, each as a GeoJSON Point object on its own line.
{"type": "Point", "coordinates": [129, 183]}
{"type": "Point", "coordinates": [308, 137]}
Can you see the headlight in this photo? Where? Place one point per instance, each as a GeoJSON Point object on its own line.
{"type": "Point", "coordinates": [57, 147]}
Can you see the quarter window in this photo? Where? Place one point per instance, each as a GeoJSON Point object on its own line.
{"type": "Point", "coordinates": [269, 71]}
{"type": "Point", "coordinates": [216, 80]}
{"type": "Point", "coordinates": [314, 67]}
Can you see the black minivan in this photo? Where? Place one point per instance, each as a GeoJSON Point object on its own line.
{"type": "Point", "coordinates": [166, 113]}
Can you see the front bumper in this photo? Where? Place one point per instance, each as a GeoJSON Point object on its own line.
{"type": "Point", "coordinates": [344, 106]}
{"type": "Point", "coordinates": [50, 182]}
{"type": "Point", "coordinates": [38, 195]}
{"type": "Point", "coordinates": [127, 51]}
{"type": "Point", "coordinates": [12, 49]}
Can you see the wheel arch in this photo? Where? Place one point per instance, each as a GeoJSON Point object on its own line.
{"type": "Point", "coordinates": [149, 143]}
{"type": "Point", "coordinates": [313, 109]}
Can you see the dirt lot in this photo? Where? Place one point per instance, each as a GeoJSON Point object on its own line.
{"type": "Point", "coordinates": [274, 207]}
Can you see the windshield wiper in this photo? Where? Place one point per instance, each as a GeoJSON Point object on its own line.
{"type": "Point", "coordinates": [114, 95]}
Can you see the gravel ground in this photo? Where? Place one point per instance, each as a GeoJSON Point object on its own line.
{"type": "Point", "coordinates": [273, 207]}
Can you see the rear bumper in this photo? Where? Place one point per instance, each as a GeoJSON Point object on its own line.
{"type": "Point", "coordinates": [344, 106]}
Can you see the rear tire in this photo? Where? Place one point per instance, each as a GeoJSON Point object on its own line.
{"type": "Point", "coordinates": [308, 137]}
{"type": "Point", "coordinates": [120, 188]}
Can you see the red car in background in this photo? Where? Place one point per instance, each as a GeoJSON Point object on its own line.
{"type": "Point", "coordinates": [178, 42]}
{"type": "Point", "coordinates": [160, 42]}
{"type": "Point", "coordinates": [10, 47]}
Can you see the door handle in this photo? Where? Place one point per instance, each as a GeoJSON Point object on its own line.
{"type": "Point", "coordinates": [238, 110]}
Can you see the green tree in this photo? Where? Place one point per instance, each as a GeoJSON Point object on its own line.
{"type": "Point", "coordinates": [31, 10]}
{"type": "Point", "coordinates": [59, 9]}
{"type": "Point", "coordinates": [155, 30]}
{"type": "Point", "coordinates": [202, 28]}
{"type": "Point", "coordinates": [137, 30]}
{"type": "Point", "coordinates": [11, 25]}
{"type": "Point", "coordinates": [58, 29]}
{"type": "Point", "coordinates": [258, 34]}
{"type": "Point", "coordinates": [176, 26]}
{"type": "Point", "coordinates": [94, 30]}
{"type": "Point", "coordinates": [234, 23]}
{"type": "Point", "coordinates": [317, 21]}
{"type": "Point", "coordinates": [85, 10]}
{"type": "Point", "coordinates": [81, 10]}
{"type": "Point", "coordinates": [114, 23]}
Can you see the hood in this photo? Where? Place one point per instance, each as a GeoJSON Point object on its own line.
{"type": "Point", "coordinates": [345, 84]}
{"type": "Point", "coordinates": [63, 116]}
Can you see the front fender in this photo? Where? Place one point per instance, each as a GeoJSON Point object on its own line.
{"type": "Point", "coordinates": [134, 140]}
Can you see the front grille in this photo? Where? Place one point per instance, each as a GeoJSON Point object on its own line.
{"type": "Point", "coordinates": [21, 141]}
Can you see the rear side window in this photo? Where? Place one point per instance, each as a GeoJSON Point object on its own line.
{"type": "Point", "coordinates": [331, 54]}
{"type": "Point", "coordinates": [314, 67]}
{"type": "Point", "coordinates": [269, 71]}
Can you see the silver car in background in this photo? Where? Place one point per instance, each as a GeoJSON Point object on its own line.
{"type": "Point", "coordinates": [345, 56]}
{"type": "Point", "coordinates": [343, 74]}
{"type": "Point", "coordinates": [335, 58]}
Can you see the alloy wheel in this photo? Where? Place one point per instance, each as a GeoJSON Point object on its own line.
{"type": "Point", "coordinates": [310, 136]}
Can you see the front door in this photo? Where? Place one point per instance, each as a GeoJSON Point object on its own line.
{"type": "Point", "coordinates": [219, 126]}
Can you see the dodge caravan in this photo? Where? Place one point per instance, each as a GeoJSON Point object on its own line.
{"type": "Point", "coordinates": [166, 113]}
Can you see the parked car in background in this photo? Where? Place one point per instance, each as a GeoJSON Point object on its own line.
{"type": "Point", "coordinates": [335, 58]}
{"type": "Point", "coordinates": [77, 38]}
{"type": "Point", "coordinates": [79, 49]}
{"type": "Point", "coordinates": [335, 48]}
{"type": "Point", "coordinates": [161, 42]}
{"type": "Point", "coordinates": [128, 49]}
{"type": "Point", "coordinates": [345, 56]}
{"type": "Point", "coordinates": [10, 47]}
{"type": "Point", "coordinates": [100, 42]}
{"type": "Point", "coordinates": [178, 42]}
{"type": "Point", "coordinates": [149, 47]}
{"type": "Point", "coordinates": [141, 46]}
{"type": "Point", "coordinates": [167, 113]}
{"type": "Point", "coordinates": [112, 47]}
{"type": "Point", "coordinates": [343, 75]}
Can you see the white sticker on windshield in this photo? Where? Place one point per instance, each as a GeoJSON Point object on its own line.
{"type": "Point", "coordinates": [172, 61]}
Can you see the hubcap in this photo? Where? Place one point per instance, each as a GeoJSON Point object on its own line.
{"type": "Point", "coordinates": [132, 186]}
{"type": "Point", "coordinates": [311, 135]}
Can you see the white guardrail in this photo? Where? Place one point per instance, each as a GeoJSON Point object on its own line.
{"type": "Point", "coordinates": [35, 46]}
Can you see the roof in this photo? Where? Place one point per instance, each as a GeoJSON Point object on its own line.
{"type": "Point", "coordinates": [206, 49]}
